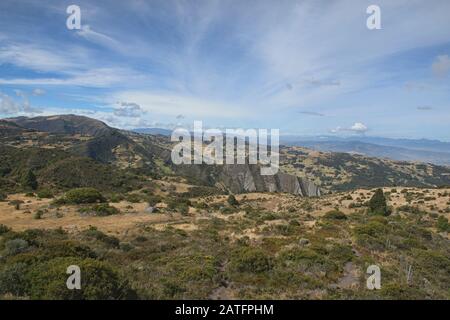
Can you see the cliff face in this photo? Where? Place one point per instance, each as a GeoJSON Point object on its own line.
{"type": "Point", "coordinates": [239, 178]}
{"type": "Point", "coordinates": [246, 178]}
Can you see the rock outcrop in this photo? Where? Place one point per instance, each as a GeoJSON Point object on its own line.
{"type": "Point", "coordinates": [240, 178]}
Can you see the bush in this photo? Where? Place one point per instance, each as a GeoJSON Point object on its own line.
{"type": "Point", "coordinates": [98, 235]}
{"type": "Point", "coordinates": [250, 260]}
{"type": "Point", "coordinates": [232, 200]}
{"type": "Point", "coordinates": [12, 279]}
{"type": "Point", "coordinates": [115, 198]}
{"type": "Point", "coordinates": [4, 229]}
{"type": "Point", "coordinates": [378, 205]}
{"type": "Point", "coordinates": [83, 195]}
{"type": "Point", "coordinates": [99, 281]}
{"type": "Point", "coordinates": [38, 214]}
{"type": "Point", "coordinates": [45, 193]}
{"type": "Point", "coordinates": [133, 198]}
{"type": "Point", "coordinates": [153, 200]}
{"type": "Point", "coordinates": [3, 196]}
{"type": "Point", "coordinates": [410, 209]}
{"type": "Point", "coordinates": [100, 210]}
{"type": "Point", "coordinates": [15, 246]}
{"type": "Point", "coordinates": [335, 215]}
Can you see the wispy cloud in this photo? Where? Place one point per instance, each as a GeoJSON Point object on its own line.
{"type": "Point", "coordinates": [312, 113]}
{"type": "Point", "coordinates": [441, 66]}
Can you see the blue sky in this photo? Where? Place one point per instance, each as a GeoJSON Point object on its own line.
{"type": "Point", "coordinates": [305, 67]}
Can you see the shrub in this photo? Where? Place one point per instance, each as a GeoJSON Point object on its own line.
{"type": "Point", "coordinates": [15, 246]}
{"type": "Point", "coordinates": [335, 215]}
{"type": "Point", "coordinates": [232, 200]}
{"type": "Point", "coordinates": [100, 210]}
{"type": "Point", "coordinates": [12, 279]}
{"type": "Point", "coordinates": [133, 198]}
{"type": "Point", "coordinates": [98, 235]}
{"type": "Point", "coordinates": [378, 205]}
{"type": "Point", "coordinates": [45, 193]}
{"type": "Point", "coordinates": [115, 198]}
{"type": "Point", "coordinates": [3, 196]}
{"type": "Point", "coordinates": [410, 209]}
{"type": "Point", "coordinates": [38, 214]}
{"type": "Point", "coordinates": [153, 200]}
{"type": "Point", "coordinates": [83, 195]}
{"type": "Point", "coordinates": [372, 228]}
{"type": "Point", "coordinates": [99, 281]}
{"type": "Point", "coordinates": [4, 229]}
{"type": "Point", "coordinates": [250, 260]}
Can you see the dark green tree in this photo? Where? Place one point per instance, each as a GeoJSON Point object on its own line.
{"type": "Point", "coordinates": [378, 205]}
{"type": "Point", "coordinates": [29, 180]}
{"type": "Point", "coordinates": [232, 200]}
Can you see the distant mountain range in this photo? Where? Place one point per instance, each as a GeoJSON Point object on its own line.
{"type": "Point", "coordinates": [422, 150]}
{"type": "Point", "coordinates": [163, 132]}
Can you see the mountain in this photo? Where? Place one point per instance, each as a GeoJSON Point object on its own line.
{"type": "Point", "coordinates": [136, 156]}
{"type": "Point", "coordinates": [155, 131]}
{"type": "Point", "coordinates": [337, 171]}
{"type": "Point", "coordinates": [66, 124]}
{"type": "Point", "coordinates": [142, 154]}
{"type": "Point", "coordinates": [432, 151]}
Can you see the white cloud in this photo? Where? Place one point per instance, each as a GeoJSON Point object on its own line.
{"type": "Point", "coordinates": [9, 106]}
{"type": "Point", "coordinates": [357, 127]}
{"type": "Point", "coordinates": [174, 105]}
{"type": "Point", "coordinates": [38, 92]}
{"type": "Point", "coordinates": [96, 77]}
{"type": "Point", "coordinates": [441, 66]}
{"type": "Point", "coordinates": [128, 109]}
{"type": "Point", "coordinates": [35, 58]}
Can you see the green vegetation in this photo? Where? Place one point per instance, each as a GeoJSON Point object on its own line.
{"type": "Point", "coordinates": [29, 181]}
{"type": "Point", "coordinates": [377, 204]}
{"type": "Point", "coordinates": [232, 200]}
{"type": "Point", "coordinates": [100, 210]}
{"type": "Point", "coordinates": [442, 224]}
{"type": "Point", "coordinates": [45, 193]}
{"type": "Point", "coordinates": [82, 196]}
{"type": "Point", "coordinates": [277, 246]}
{"type": "Point", "coordinates": [335, 215]}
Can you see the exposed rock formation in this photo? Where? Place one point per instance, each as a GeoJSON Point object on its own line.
{"type": "Point", "coordinates": [241, 178]}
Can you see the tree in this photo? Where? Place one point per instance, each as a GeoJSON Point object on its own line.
{"type": "Point", "coordinates": [29, 180]}
{"type": "Point", "coordinates": [378, 205]}
{"type": "Point", "coordinates": [232, 200]}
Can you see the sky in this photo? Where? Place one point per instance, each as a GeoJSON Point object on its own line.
{"type": "Point", "coordinates": [304, 67]}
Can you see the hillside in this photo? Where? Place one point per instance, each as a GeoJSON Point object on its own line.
{"type": "Point", "coordinates": [142, 154]}
{"type": "Point", "coordinates": [262, 246]}
{"type": "Point", "coordinates": [335, 171]}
